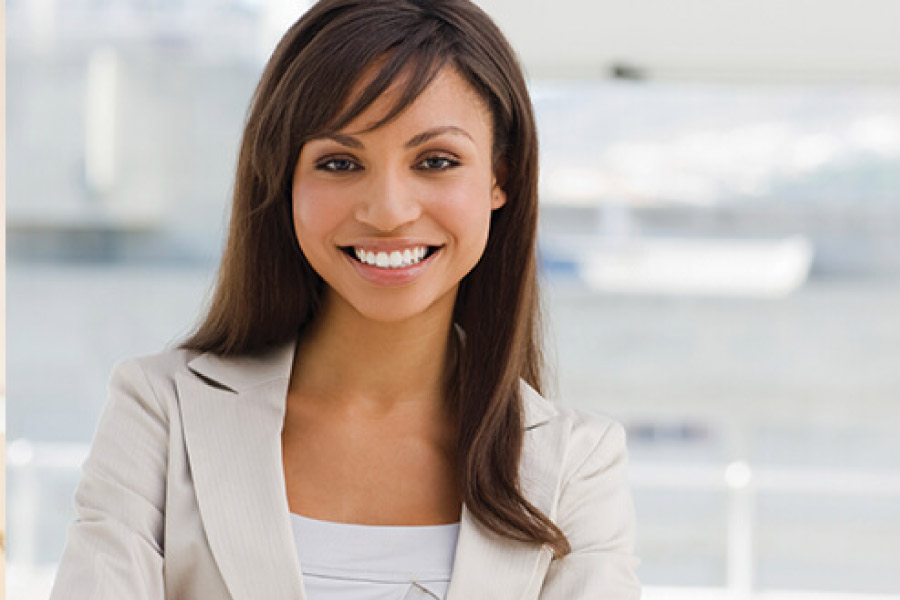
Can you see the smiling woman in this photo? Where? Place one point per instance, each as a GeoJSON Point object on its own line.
{"type": "Point", "coordinates": [369, 369]}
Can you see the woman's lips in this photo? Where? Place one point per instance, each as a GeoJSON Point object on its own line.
{"type": "Point", "coordinates": [395, 267]}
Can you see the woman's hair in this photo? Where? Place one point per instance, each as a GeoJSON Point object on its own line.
{"type": "Point", "coordinates": [267, 291]}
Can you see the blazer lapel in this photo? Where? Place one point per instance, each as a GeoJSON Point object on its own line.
{"type": "Point", "coordinates": [233, 416]}
{"type": "Point", "coordinates": [489, 566]}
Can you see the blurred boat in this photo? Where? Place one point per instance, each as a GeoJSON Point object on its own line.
{"type": "Point", "coordinates": [689, 266]}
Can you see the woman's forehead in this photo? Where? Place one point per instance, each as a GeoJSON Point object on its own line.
{"type": "Point", "coordinates": [446, 94]}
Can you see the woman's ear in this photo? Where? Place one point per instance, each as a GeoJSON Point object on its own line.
{"type": "Point", "coordinates": [498, 194]}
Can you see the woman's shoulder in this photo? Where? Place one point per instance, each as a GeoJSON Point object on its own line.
{"type": "Point", "coordinates": [148, 381]}
{"type": "Point", "coordinates": [576, 471]}
{"type": "Point", "coordinates": [163, 369]}
{"type": "Point", "coordinates": [579, 422]}
{"type": "Point", "coordinates": [156, 367]}
{"type": "Point", "coordinates": [582, 433]}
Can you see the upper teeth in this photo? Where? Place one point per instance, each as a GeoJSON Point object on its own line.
{"type": "Point", "coordinates": [395, 259]}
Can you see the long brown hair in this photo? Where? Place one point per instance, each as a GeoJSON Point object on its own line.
{"type": "Point", "coordinates": [267, 291]}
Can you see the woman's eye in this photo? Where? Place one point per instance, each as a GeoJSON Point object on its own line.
{"type": "Point", "coordinates": [337, 165]}
{"type": "Point", "coordinates": [437, 163]}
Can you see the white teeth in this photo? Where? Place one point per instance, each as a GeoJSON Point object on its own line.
{"type": "Point", "coordinates": [395, 259]}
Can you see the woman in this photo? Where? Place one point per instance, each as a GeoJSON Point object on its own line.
{"type": "Point", "coordinates": [358, 414]}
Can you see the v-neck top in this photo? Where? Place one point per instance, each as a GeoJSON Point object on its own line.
{"type": "Point", "coordinates": [344, 561]}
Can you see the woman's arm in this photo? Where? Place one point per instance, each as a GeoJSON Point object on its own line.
{"type": "Point", "coordinates": [596, 513]}
{"type": "Point", "coordinates": [115, 549]}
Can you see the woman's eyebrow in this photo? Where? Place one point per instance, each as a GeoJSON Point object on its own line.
{"type": "Point", "coordinates": [423, 137]}
{"type": "Point", "coordinates": [416, 140]}
{"type": "Point", "coordinates": [344, 140]}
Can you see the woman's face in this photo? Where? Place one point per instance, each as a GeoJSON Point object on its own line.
{"type": "Point", "coordinates": [392, 219]}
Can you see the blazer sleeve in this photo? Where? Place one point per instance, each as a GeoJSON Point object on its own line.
{"type": "Point", "coordinates": [114, 549]}
{"type": "Point", "coordinates": [596, 513]}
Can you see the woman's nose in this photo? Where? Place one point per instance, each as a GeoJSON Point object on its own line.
{"type": "Point", "coordinates": [389, 202]}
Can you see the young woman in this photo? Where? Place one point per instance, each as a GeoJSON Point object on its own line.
{"type": "Point", "coordinates": [358, 415]}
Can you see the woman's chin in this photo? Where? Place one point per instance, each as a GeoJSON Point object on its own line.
{"type": "Point", "coordinates": [399, 312]}
{"type": "Point", "coordinates": [396, 307]}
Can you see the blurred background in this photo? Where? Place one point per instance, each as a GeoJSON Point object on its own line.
{"type": "Point", "coordinates": [720, 239]}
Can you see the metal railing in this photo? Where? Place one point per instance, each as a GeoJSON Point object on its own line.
{"type": "Point", "coordinates": [741, 482]}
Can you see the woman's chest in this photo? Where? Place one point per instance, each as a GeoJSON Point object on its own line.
{"type": "Point", "coordinates": [368, 473]}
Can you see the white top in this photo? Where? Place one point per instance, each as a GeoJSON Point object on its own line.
{"type": "Point", "coordinates": [343, 561]}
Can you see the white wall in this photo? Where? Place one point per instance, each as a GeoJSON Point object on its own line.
{"type": "Point", "coordinates": [760, 40]}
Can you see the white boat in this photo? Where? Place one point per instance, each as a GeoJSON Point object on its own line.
{"type": "Point", "coordinates": [694, 267]}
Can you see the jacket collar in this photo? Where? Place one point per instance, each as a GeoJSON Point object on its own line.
{"type": "Point", "coordinates": [240, 373]}
{"type": "Point", "coordinates": [233, 412]}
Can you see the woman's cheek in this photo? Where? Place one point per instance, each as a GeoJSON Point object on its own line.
{"type": "Point", "coordinates": [316, 209]}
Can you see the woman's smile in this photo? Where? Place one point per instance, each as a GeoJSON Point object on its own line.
{"type": "Point", "coordinates": [390, 254]}
{"type": "Point", "coordinates": [397, 266]}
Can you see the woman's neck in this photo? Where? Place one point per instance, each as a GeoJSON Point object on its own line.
{"type": "Point", "coordinates": [353, 363]}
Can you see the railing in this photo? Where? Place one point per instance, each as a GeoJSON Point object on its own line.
{"type": "Point", "coordinates": [743, 483]}
{"type": "Point", "coordinates": [26, 460]}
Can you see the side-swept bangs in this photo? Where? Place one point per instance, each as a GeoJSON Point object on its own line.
{"type": "Point", "coordinates": [378, 45]}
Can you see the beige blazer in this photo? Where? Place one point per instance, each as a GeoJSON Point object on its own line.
{"type": "Point", "coordinates": [183, 496]}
